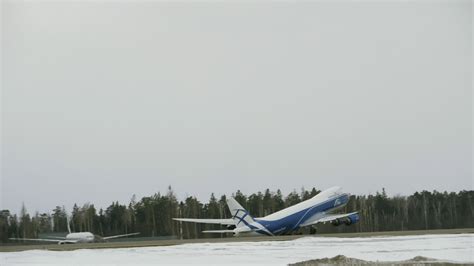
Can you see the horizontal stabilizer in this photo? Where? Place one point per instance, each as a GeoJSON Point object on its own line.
{"type": "Point", "coordinates": [206, 221]}
{"type": "Point", "coordinates": [218, 231]}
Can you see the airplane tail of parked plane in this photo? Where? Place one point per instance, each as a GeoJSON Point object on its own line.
{"type": "Point", "coordinates": [68, 224]}
{"type": "Point", "coordinates": [240, 216]}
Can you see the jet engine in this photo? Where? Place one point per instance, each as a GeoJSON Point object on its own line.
{"type": "Point", "coordinates": [352, 219]}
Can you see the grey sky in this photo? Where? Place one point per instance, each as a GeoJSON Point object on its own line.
{"type": "Point", "coordinates": [102, 100]}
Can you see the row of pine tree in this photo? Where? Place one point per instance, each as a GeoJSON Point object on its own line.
{"type": "Point", "coordinates": [152, 216]}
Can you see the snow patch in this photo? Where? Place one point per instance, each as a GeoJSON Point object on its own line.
{"type": "Point", "coordinates": [456, 248]}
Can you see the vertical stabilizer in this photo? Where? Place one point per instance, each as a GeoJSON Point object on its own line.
{"type": "Point", "coordinates": [240, 216]}
{"type": "Point", "coordinates": [68, 224]}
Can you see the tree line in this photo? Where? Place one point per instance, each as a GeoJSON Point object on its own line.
{"type": "Point", "coordinates": [152, 216]}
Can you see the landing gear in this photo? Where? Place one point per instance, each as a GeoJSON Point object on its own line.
{"type": "Point", "coordinates": [336, 222]}
{"type": "Point", "coordinates": [312, 230]}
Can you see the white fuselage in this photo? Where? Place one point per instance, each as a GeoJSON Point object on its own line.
{"type": "Point", "coordinates": [318, 199]}
{"type": "Point", "coordinates": [82, 237]}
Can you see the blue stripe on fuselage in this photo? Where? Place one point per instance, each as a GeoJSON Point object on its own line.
{"type": "Point", "coordinates": [292, 222]}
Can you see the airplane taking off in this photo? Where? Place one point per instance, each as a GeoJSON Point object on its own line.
{"type": "Point", "coordinates": [309, 212]}
{"type": "Point", "coordinates": [74, 238]}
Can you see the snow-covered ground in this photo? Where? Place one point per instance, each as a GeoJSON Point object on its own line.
{"type": "Point", "coordinates": [457, 248]}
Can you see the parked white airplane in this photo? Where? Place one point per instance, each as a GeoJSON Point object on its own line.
{"type": "Point", "coordinates": [306, 213]}
{"type": "Point", "coordinates": [73, 238]}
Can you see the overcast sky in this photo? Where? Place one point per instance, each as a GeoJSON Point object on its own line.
{"type": "Point", "coordinates": [103, 100]}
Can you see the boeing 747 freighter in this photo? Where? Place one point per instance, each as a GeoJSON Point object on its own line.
{"type": "Point", "coordinates": [318, 209]}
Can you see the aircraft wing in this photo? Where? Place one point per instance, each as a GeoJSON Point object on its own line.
{"type": "Point", "coordinates": [218, 231]}
{"type": "Point", "coordinates": [56, 237]}
{"type": "Point", "coordinates": [45, 240]}
{"type": "Point", "coordinates": [117, 236]}
{"type": "Point", "coordinates": [207, 221]}
{"type": "Point", "coordinates": [326, 218]}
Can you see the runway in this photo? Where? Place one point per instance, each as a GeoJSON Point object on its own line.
{"type": "Point", "coordinates": [132, 242]}
{"type": "Point", "coordinates": [445, 247]}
